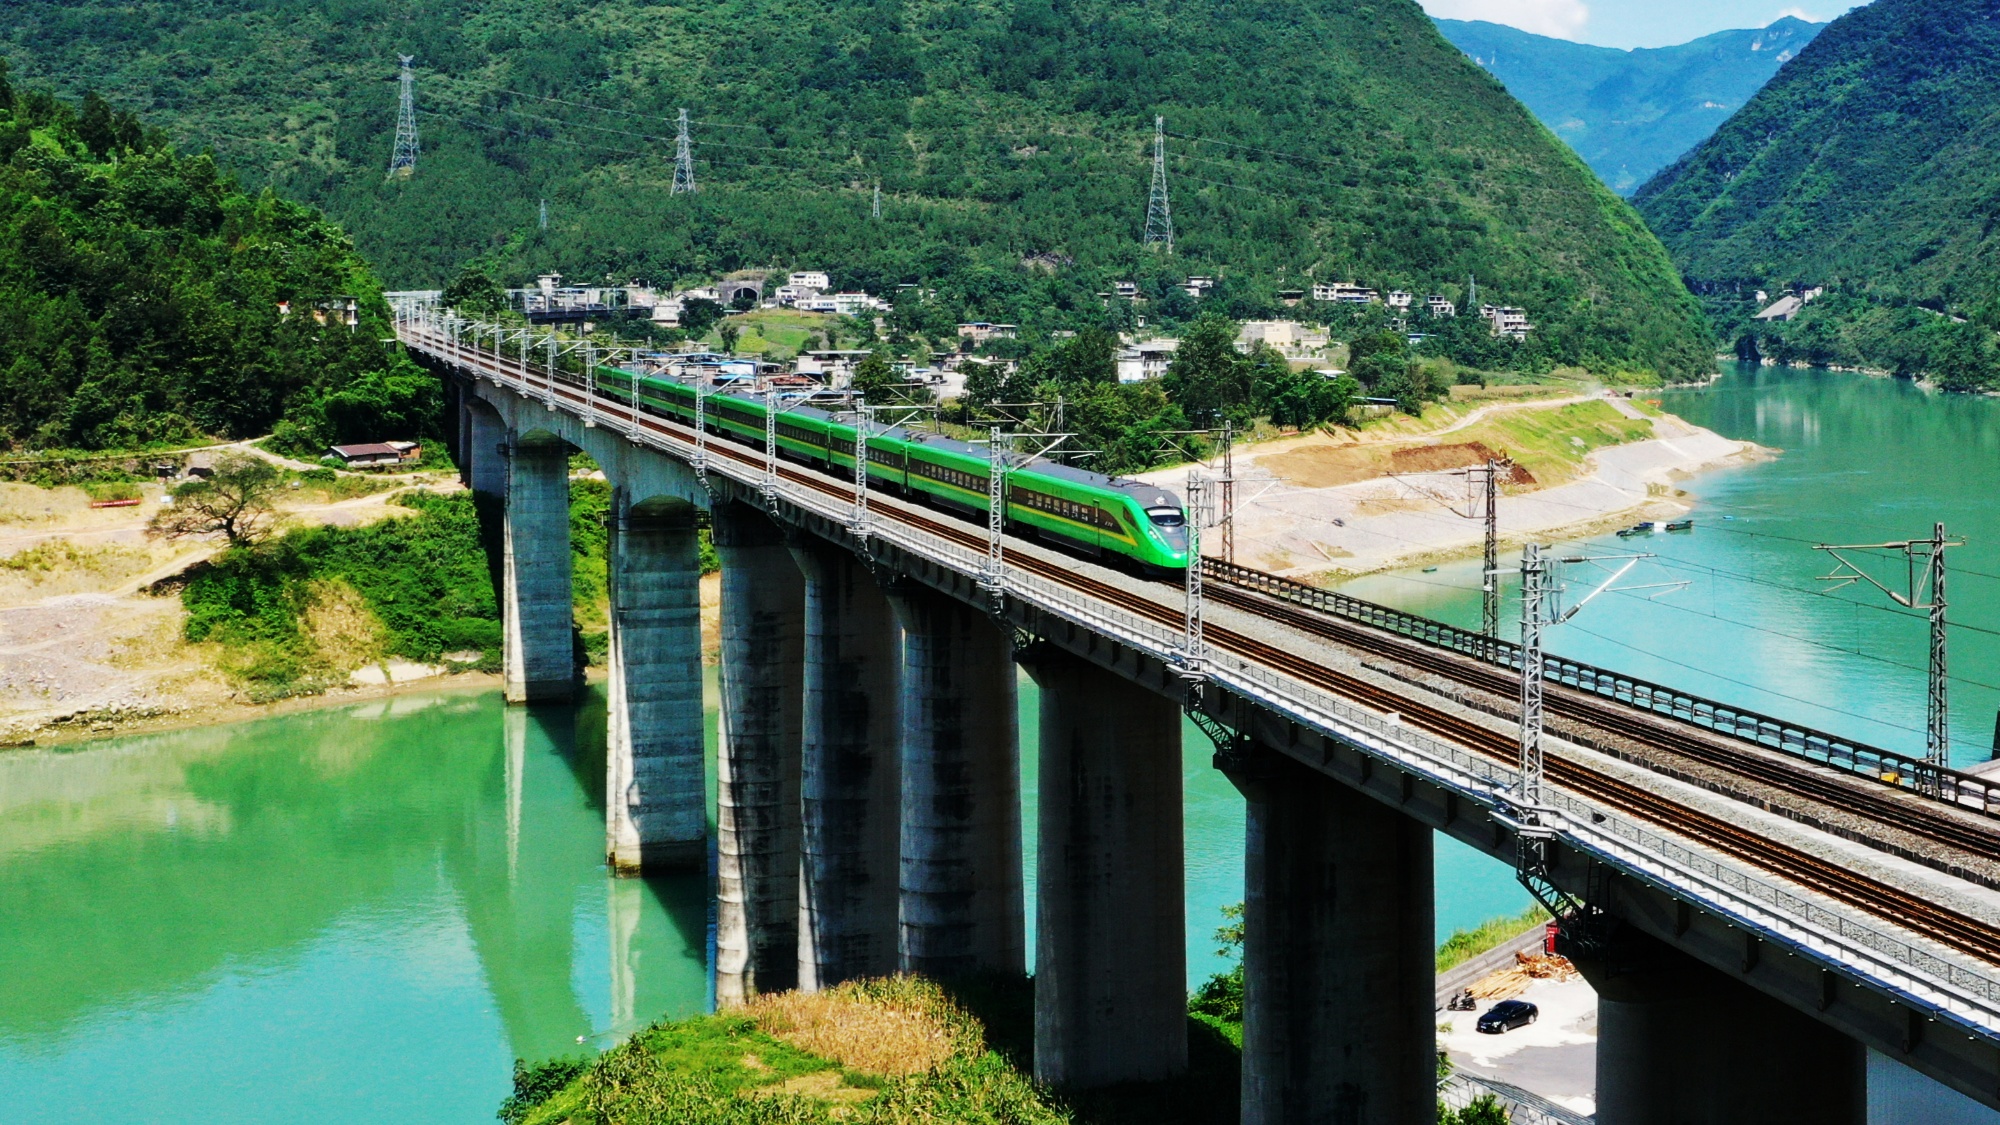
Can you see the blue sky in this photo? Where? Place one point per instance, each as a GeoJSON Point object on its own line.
{"type": "Point", "coordinates": [1634, 23]}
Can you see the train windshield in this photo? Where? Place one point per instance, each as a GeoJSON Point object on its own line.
{"type": "Point", "coordinates": [1167, 517]}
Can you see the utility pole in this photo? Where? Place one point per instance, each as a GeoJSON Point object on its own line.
{"type": "Point", "coordinates": [1471, 293]}
{"type": "Point", "coordinates": [544, 219]}
{"type": "Point", "coordinates": [878, 201]}
{"type": "Point", "coordinates": [1489, 586]}
{"type": "Point", "coordinates": [403, 160]}
{"type": "Point", "coordinates": [683, 159]}
{"type": "Point", "coordinates": [1159, 214]}
{"type": "Point", "coordinates": [1228, 495]}
{"type": "Point", "coordinates": [1192, 642]}
{"type": "Point", "coordinates": [996, 515]}
{"type": "Point", "coordinates": [1534, 598]}
{"type": "Point", "coordinates": [1922, 589]}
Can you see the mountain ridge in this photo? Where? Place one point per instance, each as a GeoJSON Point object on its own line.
{"type": "Point", "coordinates": [1303, 149]}
{"type": "Point", "coordinates": [1629, 113]}
{"type": "Point", "coordinates": [1862, 167]}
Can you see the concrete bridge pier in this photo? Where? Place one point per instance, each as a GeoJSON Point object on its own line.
{"type": "Point", "coordinates": [1680, 1043]}
{"type": "Point", "coordinates": [1337, 956]}
{"type": "Point", "coordinates": [757, 768]}
{"type": "Point", "coordinates": [482, 454]}
{"type": "Point", "coordinates": [539, 653]}
{"type": "Point", "coordinates": [656, 798]}
{"type": "Point", "coordinates": [849, 786]}
{"type": "Point", "coordinates": [961, 909]}
{"type": "Point", "coordinates": [1110, 932]}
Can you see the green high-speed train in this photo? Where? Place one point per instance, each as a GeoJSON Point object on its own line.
{"type": "Point", "coordinates": [1085, 512]}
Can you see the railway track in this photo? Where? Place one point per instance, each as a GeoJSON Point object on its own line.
{"type": "Point", "coordinates": [1948, 927]}
{"type": "Point", "coordinates": [1837, 790]}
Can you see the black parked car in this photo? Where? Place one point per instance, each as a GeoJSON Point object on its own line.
{"type": "Point", "coordinates": [1508, 1015]}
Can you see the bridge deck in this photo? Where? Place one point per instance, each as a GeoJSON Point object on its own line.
{"type": "Point", "coordinates": [1913, 931]}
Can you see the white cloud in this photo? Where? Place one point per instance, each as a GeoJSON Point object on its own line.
{"type": "Point", "coordinates": [1563, 19]}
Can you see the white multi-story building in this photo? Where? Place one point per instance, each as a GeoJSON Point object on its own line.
{"type": "Point", "coordinates": [1398, 299]}
{"type": "Point", "coordinates": [1145, 360]}
{"type": "Point", "coordinates": [1344, 293]}
{"type": "Point", "coordinates": [814, 280]}
{"type": "Point", "coordinates": [1509, 322]}
{"type": "Point", "coordinates": [1440, 307]}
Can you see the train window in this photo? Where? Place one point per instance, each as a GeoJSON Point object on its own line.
{"type": "Point", "coordinates": [1167, 517]}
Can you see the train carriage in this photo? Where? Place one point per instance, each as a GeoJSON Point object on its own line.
{"type": "Point", "coordinates": [1072, 508]}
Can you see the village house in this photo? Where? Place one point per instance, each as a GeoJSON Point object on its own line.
{"type": "Point", "coordinates": [1125, 290]}
{"type": "Point", "coordinates": [376, 455]}
{"type": "Point", "coordinates": [980, 331]}
{"type": "Point", "coordinates": [1198, 286]}
{"type": "Point", "coordinates": [1286, 336]}
{"type": "Point", "coordinates": [1345, 293]}
{"type": "Point", "coordinates": [1440, 307]}
{"type": "Point", "coordinates": [815, 280]}
{"type": "Point", "coordinates": [843, 304]}
{"type": "Point", "coordinates": [1145, 360]}
{"type": "Point", "coordinates": [832, 367]}
{"type": "Point", "coordinates": [1398, 299]}
{"type": "Point", "coordinates": [1509, 322]}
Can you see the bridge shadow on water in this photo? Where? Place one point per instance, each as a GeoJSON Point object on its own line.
{"type": "Point", "coordinates": [1206, 1095]}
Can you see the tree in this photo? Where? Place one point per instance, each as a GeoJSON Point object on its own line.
{"type": "Point", "coordinates": [698, 315]}
{"type": "Point", "coordinates": [475, 292]}
{"type": "Point", "coordinates": [875, 379]}
{"type": "Point", "coordinates": [1091, 356]}
{"type": "Point", "coordinates": [730, 334]}
{"type": "Point", "coordinates": [1207, 377]}
{"type": "Point", "coordinates": [238, 500]}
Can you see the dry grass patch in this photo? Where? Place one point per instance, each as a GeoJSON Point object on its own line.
{"type": "Point", "coordinates": [342, 630]}
{"type": "Point", "coordinates": [864, 1026]}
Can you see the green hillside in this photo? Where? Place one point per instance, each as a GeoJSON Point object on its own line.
{"type": "Point", "coordinates": [1865, 166]}
{"type": "Point", "coordinates": [140, 295]}
{"type": "Point", "coordinates": [1631, 113]}
{"type": "Point", "coordinates": [1330, 139]}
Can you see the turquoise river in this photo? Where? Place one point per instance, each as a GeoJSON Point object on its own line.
{"type": "Point", "coordinates": [367, 912]}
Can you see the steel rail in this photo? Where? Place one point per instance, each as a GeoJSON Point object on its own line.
{"type": "Point", "coordinates": [1905, 771]}
{"type": "Point", "coordinates": [1927, 820]}
{"type": "Point", "coordinates": [1921, 967]}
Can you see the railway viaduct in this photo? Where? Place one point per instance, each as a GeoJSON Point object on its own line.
{"type": "Point", "coordinates": [1752, 920]}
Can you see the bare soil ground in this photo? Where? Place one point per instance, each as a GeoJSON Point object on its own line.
{"type": "Point", "coordinates": [84, 649]}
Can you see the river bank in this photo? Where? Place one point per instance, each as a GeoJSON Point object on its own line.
{"type": "Point", "coordinates": [1326, 507]}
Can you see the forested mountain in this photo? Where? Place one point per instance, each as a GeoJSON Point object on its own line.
{"type": "Point", "coordinates": [1866, 166]}
{"type": "Point", "coordinates": [145, 298]}
{"type": "Point", "coordinates": [1631, 113]}
{"type": "Point", "coordinates": [1327, 139]}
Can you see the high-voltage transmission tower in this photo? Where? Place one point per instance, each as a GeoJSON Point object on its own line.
{"type": "Point", "coordinates": [878, 201]}
{"type": "Point", "coordinates": [1922, 589]}
{"type": "Point", "coordinates": [403, 161]}
{"type": "Point", "coordinates": [683, 158]}
{"type": "Point", "coordinates": [1159, 215]}
{"type": "Point", "coordinates": [544, 220]}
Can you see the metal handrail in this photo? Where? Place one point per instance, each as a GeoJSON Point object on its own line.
{"type": "Point", "coordinates": [1955, 787]}
{"type": "Point", "coordinates": [1866, 945]}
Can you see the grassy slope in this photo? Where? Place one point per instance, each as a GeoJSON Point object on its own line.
{"type": "Point", "coordinates": [1340, 137]}
{"type": "Point", "coordinates": [1865, 163]}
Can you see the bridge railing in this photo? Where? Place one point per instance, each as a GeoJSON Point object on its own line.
{"type": "Point", "coordinates": [1865, 945]}
{"type": "Point", "coordinates": [1965, 790]}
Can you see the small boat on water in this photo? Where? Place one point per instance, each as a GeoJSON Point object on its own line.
{"type": "Point", "coordinates": [1645, 528]}
{"type": "Point", "coordinates": [1681, 525]}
